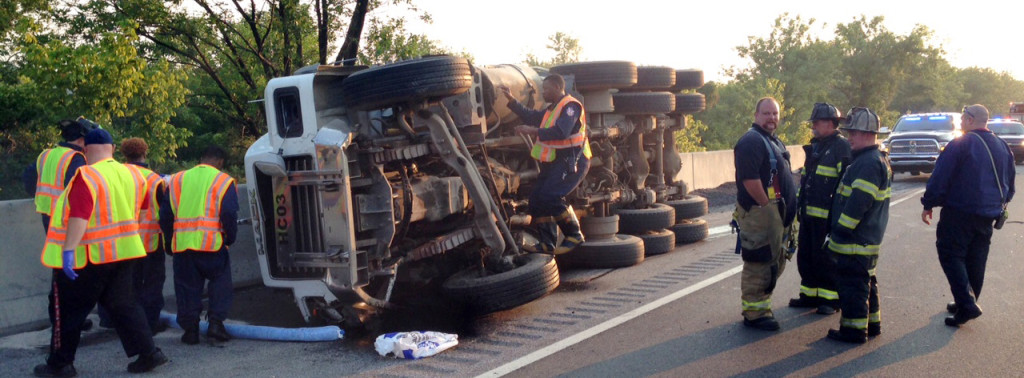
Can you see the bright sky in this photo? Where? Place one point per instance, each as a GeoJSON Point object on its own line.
{"type": "Point", "coordinates": [704, 34]}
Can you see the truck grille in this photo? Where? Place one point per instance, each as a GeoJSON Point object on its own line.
{"type": "Point", "coordinates": [914, 147]}
{"type": "Point", "coordinates": [306, 207]}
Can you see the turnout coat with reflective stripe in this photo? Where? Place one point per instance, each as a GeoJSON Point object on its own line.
{"type": "Point", "coordinates": [113, 231]}
{"type": "Point", "coordinates": [51, 169]}
{"type": "Point", "coordinates": [545, 150]}
{"type": "Point", "coordinates": [196, 196]}
{"type": "Point", "coordinates": [149, 219]}
{"type": "Point", "coordinates": [820, 176]}
{"type": "Point", "coordinates": [860, 209]}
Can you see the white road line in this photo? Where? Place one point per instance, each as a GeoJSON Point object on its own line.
{"type": "Point", "coordinates": [912, 195]}
{"type": "Point", "coordinates": [633, 314]}
{"type": "Point", "coordinates": [609, 324]}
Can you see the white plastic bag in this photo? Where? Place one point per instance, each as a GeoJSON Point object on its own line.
{"type": "Point", "coordinates": [414, 345]}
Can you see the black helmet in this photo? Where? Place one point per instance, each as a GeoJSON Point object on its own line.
{"type": "Point", "coordinates": [72, 130]}
{"type": "Point", "coordinates": [824, 110]}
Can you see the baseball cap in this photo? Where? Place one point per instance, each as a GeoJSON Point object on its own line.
{"type": "Point", "coordinates": [72, 129]}
{"type": "Point", "coordinates": [98, 136]}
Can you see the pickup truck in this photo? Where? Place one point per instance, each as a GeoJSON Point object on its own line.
{"type": "Point", "coordinates": [916, 140]}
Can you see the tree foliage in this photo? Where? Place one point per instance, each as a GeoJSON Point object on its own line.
{"type": "Point", "coordinates": [106, 81]}
{"type": "Point", "coordinates": [863, 64]}
{"type": "Point", "coordinates": [564, 47]}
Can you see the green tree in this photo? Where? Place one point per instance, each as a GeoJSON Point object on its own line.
{"type": "Point", "coordinates": [106, 81]}
{"type": "Point", "coordinates": [805, 66]}
{"type": "Point", "coordinates": [566, 49]}
{"type": "Point", "coordinates": [993, 89]}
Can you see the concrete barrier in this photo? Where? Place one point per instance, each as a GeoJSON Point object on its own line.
{"type": "Point", "coordinates": [25, 282]}
{"type": "Point", "coordinates": [711, 169]}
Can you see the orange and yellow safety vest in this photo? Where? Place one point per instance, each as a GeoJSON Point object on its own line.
{"type": "Point", "coordinates": [545, 150]}
{"type": "Point", "coordinates": [113, 231]}
{"type": "Point", "coordinates": [51, 170]}
{"type": "Point", "coordinates": [196, 196]}
{"type": "Point", "coordinates": [149, 219]}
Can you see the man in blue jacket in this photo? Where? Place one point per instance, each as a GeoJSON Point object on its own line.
{"type": "Point", "coordinates": [972, 182]}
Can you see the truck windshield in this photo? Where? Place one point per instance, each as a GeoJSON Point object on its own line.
{"type": "Point", "coordinates": [925, 123]}
{"type": "Point", "coordinates": [1006, 128]}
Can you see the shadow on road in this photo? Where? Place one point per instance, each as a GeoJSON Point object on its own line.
{"type": "Point", "coordinates": [923, 341]}
{"type": "Point", "coordinates": [679, 352]}
{"type": "Point", "coordinates": [684, 350]}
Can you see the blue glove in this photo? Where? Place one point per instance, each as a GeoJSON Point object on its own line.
{"type": "Point", "coordinates": [69, 264]}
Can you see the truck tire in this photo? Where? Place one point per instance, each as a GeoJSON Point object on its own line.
{"type": "Point", "coordinates": [618, 252]}
{"type": "Point", "coordinates": [599, 75]}
{"type": "Point", "coordinates": [599, 227]}
{"type": "Point", "coordinates": [635, 221]}
{"type": "Point", "coordinates": [658, 242]}
{"type": "Point", "coordinates": [690, 231]}
{"type": "Point", "coordinates": [644, 102]}
{"type": "Point", "coordinates": [429, 79]}
{"type": "Point", "coordinates": [654, 78]}
{"type": "Point", "coordinates": [688, 79]}
{"type": "Point", "coordinates": [690, 207]}
{"type": "Point", "coordinates": [689, 103]}
{"type": "Point", "coordinates": [537, 276]}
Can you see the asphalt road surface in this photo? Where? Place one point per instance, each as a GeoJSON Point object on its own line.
{"type": "Point", "coordinates": [676, 314]}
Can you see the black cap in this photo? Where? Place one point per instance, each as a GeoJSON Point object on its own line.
{"type": "Point", "coordinates": [73, 130]}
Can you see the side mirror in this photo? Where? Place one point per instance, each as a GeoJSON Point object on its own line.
{"type": "Point", "coordinates": [884, 130]}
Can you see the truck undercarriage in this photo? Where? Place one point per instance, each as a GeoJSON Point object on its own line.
{"type": "Point", "coordinates": [413, 171]}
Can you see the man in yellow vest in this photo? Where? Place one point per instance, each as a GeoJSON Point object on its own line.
{"type": "Point", "coordinates": [563, 150]}
{"type": "Point", "coordinates": [47, 177]}
{"type": "Point", "coordinates": [202, 219]}
{"type": "Point", "coordinates": [93, 239]}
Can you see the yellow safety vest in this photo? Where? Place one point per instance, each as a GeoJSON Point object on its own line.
{"type": "Point", "coordinates": [51, 170]}
{"type": "Point", "coordinates": [545, 150]}
{"type": "Point", "coordinates": [149, 219]}
{"type": "Point", "coordinates": [196, 196]}
{"type": "Point", "coordinates": [113, 231]}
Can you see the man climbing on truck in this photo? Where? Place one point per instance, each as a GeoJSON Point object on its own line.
{"type": "Point", "coordinates": [563, 152]}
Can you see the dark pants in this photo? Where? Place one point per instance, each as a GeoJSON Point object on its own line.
{"type": "Point", "coordinates": [191, 271]}
{"type": "Point", "coordinates": [148, 280]}
{"type": "Point", "coordinates": [963, 241]}
{"type": "Point", "coordinates": [816, 264]}
{"type": "Point", "coordinates": [556, 180]}
{"type": "Point", "coordinates": [108, 284]}
{"type": "Point", "coordinates": [858, 292]}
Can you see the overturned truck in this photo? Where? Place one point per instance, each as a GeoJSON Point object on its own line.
{"type": "Point", "coordinates": [412, 171]}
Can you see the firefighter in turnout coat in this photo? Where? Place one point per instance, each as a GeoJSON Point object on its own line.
{"type": "Point", "coordinates": [859, 215]}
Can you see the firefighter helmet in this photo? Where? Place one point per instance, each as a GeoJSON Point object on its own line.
{"type": "Point", "coordinates": [824, 110]}
{"type": "Point", "coordinates": [861, 119]}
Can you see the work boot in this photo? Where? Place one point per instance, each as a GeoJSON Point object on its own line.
{"type": "Point", "coordinates": [45, 370]}
{"type": "Point", "coordinates": [217, 331]}
{"type": "Point", "coordinates": [191, 335]}
{"type": "Point", "coordinates": [848, 335]}
{"type": "Point", "coordinates": [962, 316]}
{"type": "Point", "coordinates": [874, 329]}
{"type": "Point", "coordinates": [803, 302]}
{"type": "Point", "coordinates": [767, 323]}
{"type": "Point", "coordinates": [570, 226]}
{"type": "Point", "coordinates": [547, 234]}
{"type": "Point", "coordinates": [951, 307]}
{"type": "Point", "coordinates": [148, 362]}
{"type": "Point", "coordinates": [826, 310]}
